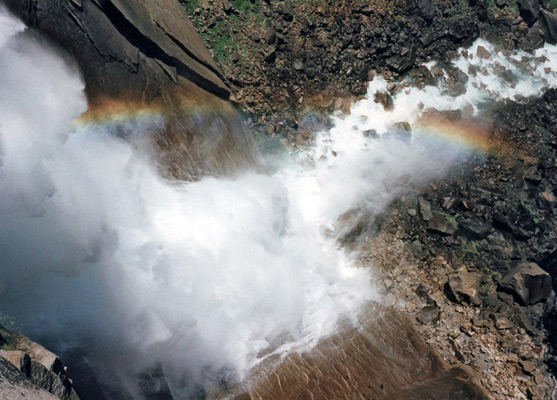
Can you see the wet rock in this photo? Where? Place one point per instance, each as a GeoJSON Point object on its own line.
{"type": "Point", "coordinates": [425, 209]}
{"type": "Point", "coordinates": [529, 10]}
{"type": "Point", "coordinates": [482, 52]}
{"type": "Point", "coordinates": [383, 358]}
{"type": "Point", "coordinates": [385, 99]}
{"type": "Point", "coordinates": [528, 283]}
{"type": "Point", "coordinates": [465, 287]}
{"type": "Point", "coordinates": [426, 8]}
{"type": "Point", "coordinates": [440, 225]}
{"type": "Point", "coordinates": [400, 130]}
{"type": "Point", "coordinates": [370, 133]}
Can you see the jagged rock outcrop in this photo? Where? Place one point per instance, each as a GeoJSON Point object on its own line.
{"type": "Point", "coordinates": [28, 370]}
{"type": "Point", "coordinates": [136, 55]}
{"type": "Point", "coordinates": [14, 385]}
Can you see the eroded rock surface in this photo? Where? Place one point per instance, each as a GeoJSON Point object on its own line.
{"type": "Point", "coordinates": [40, 373]}
{"type": "Point", "coordinates": [126, 48]}
{"type": "Point", "coordinates": [383, 358]}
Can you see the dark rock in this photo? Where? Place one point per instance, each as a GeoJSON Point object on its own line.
{"type": "Point", "coordinates": [528, 283]}
{"type": "Point", "coordinates": [475, 228]}
{"type": "Point", "coordinates": [529, 10]}
{"type": "Point", "coordinates": [549, 22]}
{"type": "Point", "coordinates": [440, 225]}
{"type": "Point", "coordinates": [285, 9]}
{"type": "Point", "coordinates": [465, 287]}
{"type": "Point", "coordinates": [270, 35]}
{"type": "Point", "coordinates": [403, 61]}
{"type": "Point", "coordinates": [370, 133]}
{"type": "Point", "coordinates": [415, 248]}
{"type": "Point", "coordinates": [524, 322]}
{"type": "Point", "coordinates": [270, 56]}
{"type": "Point", "coordinates": [533, 176]}
{"type": "Point", "coordinates": [385, 99]}
{"type": "Point", "coordinates": [504, 222]}
{"type": "Point", "coordinates": [426, 8]}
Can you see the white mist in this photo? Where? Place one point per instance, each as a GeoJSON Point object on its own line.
{"type": "Point", "coordinates": [98, 251]}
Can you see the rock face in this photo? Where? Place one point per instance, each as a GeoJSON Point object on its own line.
{"type": "Point", "coordinates": [134, 48]}
{"type": "Point", "coordinates": [38, 370]}
{"type": "Point", "coordinates": [529, 10]}
{"type": "Point", "coordinates": [15, 386]}
{"type": "Point", "coordinates": [136, 55]}
{"type": "Point", "coordinates": [528, 282]}
{"type": "Point", "coordinates": [385, 358]}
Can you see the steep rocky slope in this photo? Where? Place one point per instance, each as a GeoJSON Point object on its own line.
{"type": "Point", "coordinates": [285, 60]}
{"type": "Point", "coordinates": [138, 56]}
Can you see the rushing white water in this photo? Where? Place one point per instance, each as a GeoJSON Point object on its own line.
{"type": "Point", "coordinates": [99, 251]}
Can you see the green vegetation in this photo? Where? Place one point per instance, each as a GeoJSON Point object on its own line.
{"type": "Point", "coordinates": [245, 6]}
{"type": "Point", "coordinates": [190, 6]}
{"type": "Point", "coordinates": [452, 220]}
{"type": "Point", "coordinates": [471, 247]}
{"type": "Point", "coordinates": [9, 322]}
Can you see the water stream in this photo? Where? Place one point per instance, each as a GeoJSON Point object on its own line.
{"type": "Point", "coordinates": [98, 252]}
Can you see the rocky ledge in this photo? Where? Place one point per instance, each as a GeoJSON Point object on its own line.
{"type": "Point", "coordinates": [29, 371]}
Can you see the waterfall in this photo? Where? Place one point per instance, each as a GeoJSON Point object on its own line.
{"type": "Point", "coordinates": [102, 253]}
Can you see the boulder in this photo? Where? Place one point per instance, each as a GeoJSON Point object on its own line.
{"type": "Point", "coordinates": [528, 283]}
{"type": "Point", "coordinates": [426, 8]}
{"type": "Point", "coordinates": [385, 99]}
{"type": "Point", "coordinates": [425, 209]}
{"type": "Point", "coordinates": [482, 52]}
{"type": "Point", "coordinates": [440, 225]}
{"type": "Point", "coordinates": [465, 287]}
{"type": "Point", "coordinates": [475, 229]}
{"type": "Point", "coordinates": [403, 61]}
{"type": "Point", "coordinates": [529, 10]}
{"type": "Point", "coordinates": [549, 23]}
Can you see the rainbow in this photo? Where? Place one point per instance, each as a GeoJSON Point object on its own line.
{"type": "Point", "coordinates": [473, 134]}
